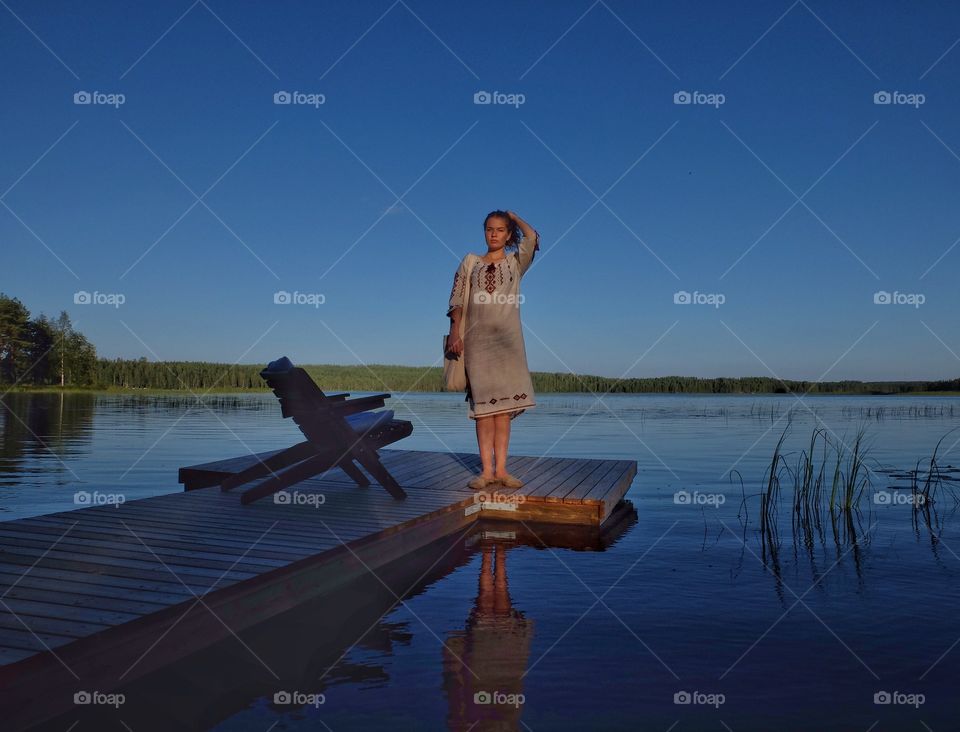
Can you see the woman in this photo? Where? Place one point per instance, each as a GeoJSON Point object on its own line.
{"type": "Point", "coordinates": [498, 380]}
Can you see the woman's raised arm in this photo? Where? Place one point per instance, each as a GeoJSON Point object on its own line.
{"type": "Point", "coordinates": [528, 245]}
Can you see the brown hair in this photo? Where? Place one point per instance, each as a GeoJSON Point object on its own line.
{"type": "Point", "coordinates": [512, 228]}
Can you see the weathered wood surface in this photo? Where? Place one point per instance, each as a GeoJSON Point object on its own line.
{"type": "Point", "coordinates": [113, 592]}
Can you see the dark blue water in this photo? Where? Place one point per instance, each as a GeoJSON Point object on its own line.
{"type": "Point", "coordinates": [684, 600]}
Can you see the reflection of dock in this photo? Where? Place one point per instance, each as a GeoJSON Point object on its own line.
{"type": "Point", "coordinates": [94, 598]}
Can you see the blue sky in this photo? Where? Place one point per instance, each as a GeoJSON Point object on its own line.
{"type": "Point", "coordinates": [699, 198]}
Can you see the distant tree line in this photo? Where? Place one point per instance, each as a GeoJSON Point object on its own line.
{"type": "Point", "coordinates": [377, 377]}
{"type": "Point", "coordinates": [42, 352]}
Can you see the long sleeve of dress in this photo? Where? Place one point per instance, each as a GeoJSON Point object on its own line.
{"type": "Point", "coordinates": [458, 292]}
{"type": "Point", "coordinates": [527, 251]}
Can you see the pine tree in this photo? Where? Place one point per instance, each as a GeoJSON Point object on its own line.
{"type": "Point", "coordinates": [14, 339]}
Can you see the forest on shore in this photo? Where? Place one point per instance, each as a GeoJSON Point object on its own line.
{"type": "Point", "coordinates": [44, 353]}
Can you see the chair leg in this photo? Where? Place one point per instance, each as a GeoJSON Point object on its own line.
{"type": "Point", "coordinates": [371, 461]}
{"type": "Point", "coordinates": [354, 472]}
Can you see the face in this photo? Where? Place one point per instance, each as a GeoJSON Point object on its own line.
{"type": "Point", "coordinates": [497, 233]}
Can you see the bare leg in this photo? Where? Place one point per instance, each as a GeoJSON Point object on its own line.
{"type": "Point", "coordinates": [501, 442]}
{"type": "Point", "coordinates": [485, 434]}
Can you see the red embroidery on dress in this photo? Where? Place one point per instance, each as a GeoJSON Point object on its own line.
{"type": "Point", "coordinates": [494, 400]}
{"type": "Point", "coordinates": [459, 283]}
{"type": "Point", "coordinates": [492, 276]}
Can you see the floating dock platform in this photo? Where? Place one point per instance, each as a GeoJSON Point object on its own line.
{"type": "Point", "coordinates": [96, 597]}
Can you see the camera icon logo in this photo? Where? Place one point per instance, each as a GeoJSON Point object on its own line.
{"type": "Point", "coordinates": [882, 697]}
{"type": "Point", "coordinates": [81, 498]}
{"type": "Point", "coordinates": [82, 97]}
{"type": "Point", "coordinates": [682, 297]}
{"type": "Point", "coordinates": [282, 297]}
{"type": "Point", "coordinates": [682, 697]}
{"type": "Point", "coordinates": [281, 697]}
{"type": "Point", "coordinates": [682, 498]}
{"type": "Point", "coordinates": [282, 497]}
{"type": "Point", "coordinates": [82, 697]}
{"type": "Point", "coordinates": [882, 297]}
{"type": "Point", "coordinates": [882, 97]}
{"type": "Point", "coordinates": [282, 97]}
{"type": "Point", "coordinates": [482, 697]}
{"type": "Point", "coordinates": [82, 297]}
{"type": "Point", "coordinates": [682, 97]}
{"type": "Point", "coordinates": [882, 498]}
{"type": "Point", "coordinates": [482, 97]}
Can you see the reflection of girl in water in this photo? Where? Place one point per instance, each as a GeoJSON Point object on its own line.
{"type": "Point", "coordinates": [485, 663]}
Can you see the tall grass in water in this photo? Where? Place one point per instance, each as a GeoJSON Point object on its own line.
{"type": "Point", "coordinates": [904, 411]}
{"type": "Point", "coordinates": [770, 503]}
{"type": "Point", "coordinates": [935, 477]}
{"type": "Point", "coordinates": [808, 488]}
{"type": "Point", "coordinates": [924, 494]}
{"type": "Point", "coordinates": [830, 479]}
{"type": "Point", "coordinates": [849, 478]}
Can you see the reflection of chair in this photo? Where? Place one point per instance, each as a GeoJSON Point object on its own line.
{"type": "Point", "coordinates": [338, 431]}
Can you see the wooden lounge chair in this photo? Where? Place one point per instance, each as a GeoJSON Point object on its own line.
{"type": "Point", "coordinates": [338, 431]}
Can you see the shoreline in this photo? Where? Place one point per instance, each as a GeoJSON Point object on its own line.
{"type": "Point", "coordinates": [266, 390]}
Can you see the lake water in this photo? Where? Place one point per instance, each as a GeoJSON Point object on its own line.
{"type": "Point", "coordinates": [684, 601]}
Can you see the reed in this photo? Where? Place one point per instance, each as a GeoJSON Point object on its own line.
{"type": "Point", "coordinates": [905, 411]}
{"type": "Point", "coordinates": [935, 477]}
{"type": "Point", "coordinates": [770, 500]}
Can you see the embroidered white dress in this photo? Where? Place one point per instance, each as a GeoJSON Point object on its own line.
{"type": "Point", "coordinates": [495, 359]}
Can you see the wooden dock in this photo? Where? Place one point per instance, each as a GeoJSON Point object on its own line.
{"type": "Point", "coordinates": [96, 597]}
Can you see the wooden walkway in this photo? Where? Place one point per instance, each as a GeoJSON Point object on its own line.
{"type": "Point", "coordinates": [95, 597]}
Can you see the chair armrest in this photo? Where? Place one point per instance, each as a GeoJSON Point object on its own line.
{"type": "Point", "coordinates": [361, 404]}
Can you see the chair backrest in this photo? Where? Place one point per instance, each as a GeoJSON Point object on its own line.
{"type": "Point", "coordinates": [305, 403]}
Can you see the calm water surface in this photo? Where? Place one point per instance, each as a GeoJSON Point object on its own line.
{"type": "Point", "coordinates": [681, 598]}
